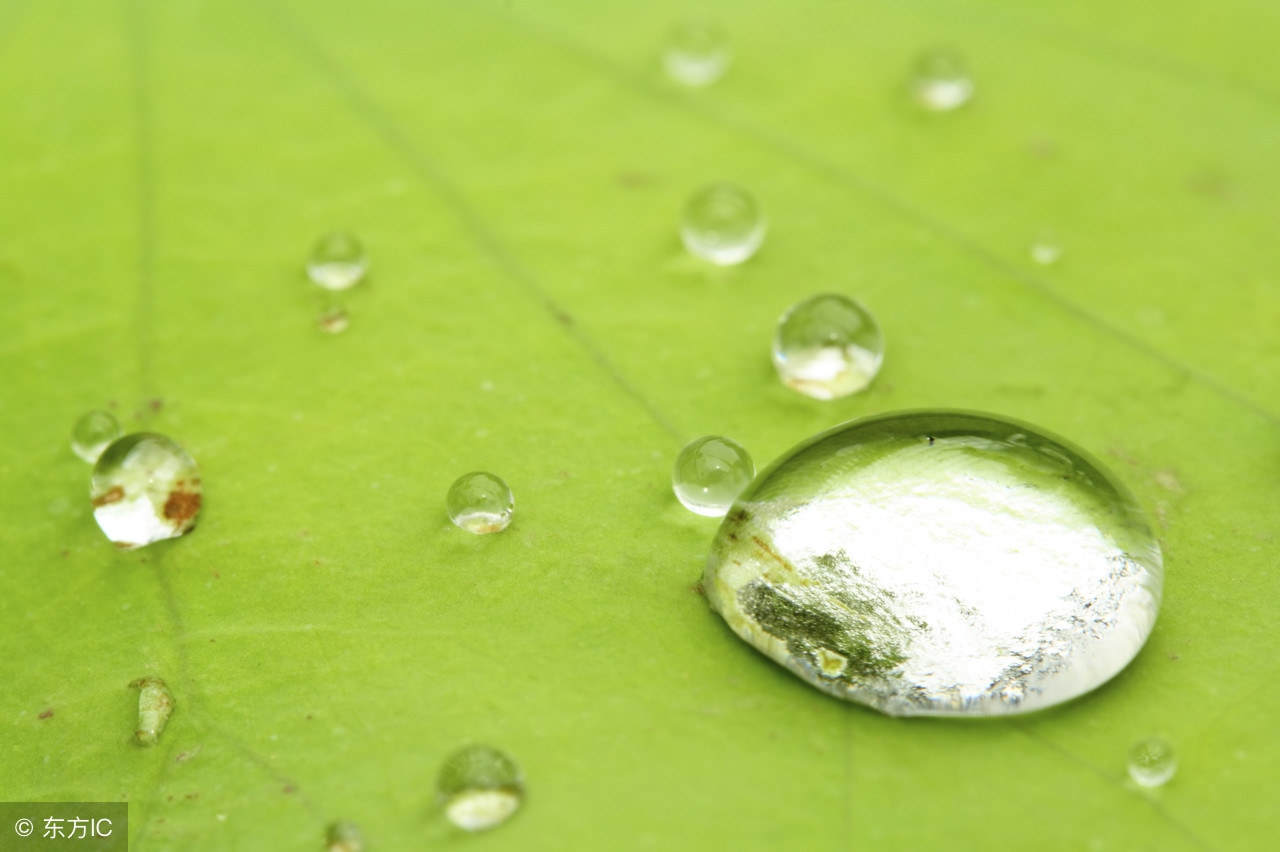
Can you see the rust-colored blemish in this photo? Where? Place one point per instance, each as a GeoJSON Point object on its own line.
{"type": "Point", "coordinates": [125, 545]}
{"type": "Point", "coordinates": [47, 714]}
{"type": "Point", "coordinates": [287, 788]}
{"type": "Point", "coordinates": [772, 554]}
{"type": "Point", "coordinates": [697, 589]}
{"type": "Point", "coordinates": [181, 506]}
{"type": "Point", "coordinates": [114, 495]}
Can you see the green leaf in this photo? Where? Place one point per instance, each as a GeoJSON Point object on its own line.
{"type": "Point", "coordinates": [329, 637]}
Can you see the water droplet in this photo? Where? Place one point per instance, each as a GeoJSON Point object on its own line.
{"type": "Point", "coordinates": [939, 563]}
{"type": "Point", "coordinates": [697, 53]}
{"type": "Point", "coordinates": [939, 81]}
{"type": "Point", "coordinates": [827, 346]}
{"type": "Point", "coordinates": [344, 836]}
{"type": "Point", "coordinates": [155, 705]}
{"type": "Point", "coordinates": [1152, 762]}
{"type": "Point", "coordinates": [333, 321]}
{"type": "Point", "coordinates": [145, 488]}
{"type": "Point", "coordinates": [722, 223]}
{"type": "Point", "coordinates": [710, 473]}
{"type": "Point", "coordinates": [337, 262]}
{"type": "Point", "coordinates": [93, 433]}
{"type": "Point", "coordinates": [480, 503]}
{"type": "Point", "coordinates": [1046, 249]}
{"type": "Point", "coordinates": [480, 787]}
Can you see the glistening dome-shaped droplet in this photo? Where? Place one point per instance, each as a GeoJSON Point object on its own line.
{"type": "Point", "coordinates": [337, 262]}
{"type": "Point", "coordinates": [93, 433]}
{"type": "Point", "coordinates": [1152, 762]}
{"type": "Point", "coordinates": [939, 81]}
{"type": "Point", "coordinates": [827, 346]}
{"type": "Point", "coordinates": [710, 473]}
{"type": "Point", "coordinates": [480, 787]}
{"type": "Point", "coordinates": [480, 503]}
{"type": "Point", "coordinates": [722, 223]}
{"type": "Point", "coordinates": [697, 53]}
{"type": "Point", "coordinates": [145, 488]}
{"type": "Point", "coordinates": [939, 563]}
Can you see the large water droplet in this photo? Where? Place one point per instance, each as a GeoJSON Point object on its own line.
{"type": "Point", "coordinates": [827, 346]}
{"type": "Point", "coordinates": [145, 488]}
{"type": "Point", "coordinates": [697, 53]}
{"type": "Point", "coordinates": [93, 433]}
{"type": "Point", "coordinates": [480, 503]}
{"type": "Point", "coordinates": [1152, 762]}
{"type": "Point", "coordinates": [939, 563]}
{"type": "Point", "coordinates": [337, 262]}
{"type": "Point", "coordinates": [480, 787]}
{"type": "Point", "coordinates": [940, 82]}
{"type": "Point", "coordinates": [710, 473]}
{"type": "Point", "coordinates": [723, 224]}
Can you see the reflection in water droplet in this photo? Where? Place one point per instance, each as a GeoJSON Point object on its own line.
{"type": "Point", "coordinates": [337, 262]}
{"type": "Point", "coordinates": [93, 433]}
{"type": "Point", "coordinates": [939, 81]}
{"type": "Point", "coordinates": [480, 503]}
{"type": "Point", "coordinates": [722, 223]}
{"type": "Point", "coordinates": [155, 706]}
{"type": "Point", "coordinates": [697, 53]}
{"type": "Point", "coordinates": [827, 346]}
{"type": "Point", "coordinates": [145, 488]}
{"type": "Point", "coordinates": [334, 321]}
{"type": "Point", "coordinates": [479, 787]}
{"type": "Point", "coordinates": [344, 836]}
{"type": "Point", "coordinates": [1152, 762]}
{"type": "Point", "coordinates": [710, 473]}
{"type": "Point", "coordinates": [939, 563]}
{"type": "Point", "coordinates": [1046, 249]}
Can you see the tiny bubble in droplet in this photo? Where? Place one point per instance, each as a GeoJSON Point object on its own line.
{"type": "Point", "coordinates": [940, 82]}
{"type": "Point", "coordinates": [1152, 762]}
{"type": "Point", "coordinates": [480, 503]}
{"type": "Point", "coordinates": [93, 433]}
{"type": "Point", "coordinates": [337, 262]}
{"type": "Point", "coordinates": [697, 53]}
{"type": "Point", "coordinates": [480, 787]}
{"type": "Point", "coordinates": [723, 224]}
{"type": "Point", "coordinates": [710, 473]}
{"type": "Point", "coordinates": [827, 346]}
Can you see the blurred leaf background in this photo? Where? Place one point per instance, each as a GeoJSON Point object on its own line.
{"type": "Point", "coordinates": [516, 170]}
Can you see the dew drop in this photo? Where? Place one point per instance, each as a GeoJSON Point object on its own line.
{"type": "Point", "coordinates": [155, 705]}
{"type": "Point", "coordinates": [827, 346]}
{"type": "Point", "coordinates": [939, 563]}
{"type": "Point", "coordinates": [480, 503]}
{"type": "Point", "coordinates": [722, 224]}
{"type": "Point", "coordinates": [333, 321]}
{"type": "Point", "coordinates": [939, 81]}
{"type": "Point", "coordinates": [710, 473]}
{"type": "Point", "coordinates": [93, 433]}
{"type": "Point", "coordinates": [479, 787]}
{"type": "Point", "coordinates": [343, 836]}
{"type": "Point", "coordinates": [337, 262]}
{"type": "Point", "coordinates": [1152, 762]}
{"type": "Point", "coordinates": [145, 488]}
{"type": "Point", "coordinates": [697, 53]}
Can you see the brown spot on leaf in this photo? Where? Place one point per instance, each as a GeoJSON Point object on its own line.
{"type": "Point", "coordinates": [181, 506]}
{"type": "Point", "coordinates": [697, 589]}
{"type": "Point", "coordinates": [113, 495]}
{"type": "Point", "coordinates": [287, 788]}
{"type": "Point", "coordinates": [155, 404]}
{"type": "Point", "coordinates": [47, 713]}
{"type": "Point", "coordinates": [184, 756]}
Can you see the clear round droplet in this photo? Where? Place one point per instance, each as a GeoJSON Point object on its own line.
{"type": "Point", "coordinates": [1045, 249]}
{"type": "Point", "coordinates": [480, 787]}
{"type": "Point", "coordinates": [697, 53]}
{"type": "Point", "coordinates": [722, 223]}
{"type": "Point", "coordinates": [337, 262]}
{"type": "Point", "coordinates": [343, 836]}
{"type": "Point", "coordinates": [145, 488]}
{"type": "Point", "coordinates": [939, 563]}
{"type": "Point", "coordinates": [827, 346]}
{"type": "Point", "coordinates": [480, 503]}
{"type": "Point", "coordinates": [710, 473]}
{"type": "Point", "coordinates": [93, 433]}
{"type": "Point", "coordinates": [333, 321]}
{"type": "Point", "coordinates": [940, 82]}
{"type": "Point", "coordinates": [1152, 762]}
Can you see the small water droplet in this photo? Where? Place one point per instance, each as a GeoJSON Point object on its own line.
{"type": "Point", "coordinates": [710, 473]}
{"type": "Point", "coordinates": [333, 321]}
{"type": "Point", "coordinates": [940, 82]}
{"type": "Point", "coordinates": [145, 488]}
{"type": "Point", "coordinates": [697, 53]}
{"type": "Point", "coordinates": [480, 503]}
{"type": "Point", "coordinates": [93, 433]}
{"type": "Point", "coordinates": [939, 563]}
{"type": "Point", "coordinates": [480, 787]}
{"type": "Point", "coordinates": [155, 705]}
{"type": "Point", "coordinates": [344, 836]}
{"type": "Point", "coordinates": [1045, 249]}
{"type": "Point", "coordinates": [827, 346]}
{"type": "Point", "coordinates": [722, 223]}
{"type": "Point", "coordinates": [337, 262]}
{"type": "Point", "coordinates": [1152, 762]}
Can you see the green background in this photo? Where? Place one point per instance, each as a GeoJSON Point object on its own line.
{"type": "Point", "coordinates": [516, 171]}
